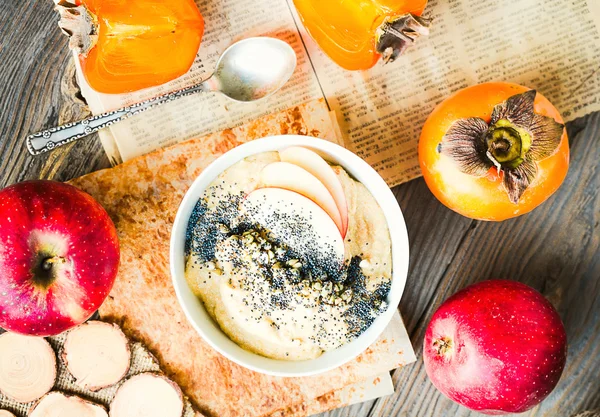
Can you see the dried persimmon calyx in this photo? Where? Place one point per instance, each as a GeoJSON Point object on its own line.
{"type": "Point", "coordinates": [397, 33]}
{"type": "Point", "coordinates": [513, 141]}
{"type": "Point", "coordinates": [78, 24]}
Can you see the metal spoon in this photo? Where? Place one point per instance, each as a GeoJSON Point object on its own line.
{"type": "Point", "coordinates": [248, 70]}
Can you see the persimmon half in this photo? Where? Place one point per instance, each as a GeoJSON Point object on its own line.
{"type": "Point", "coordinates": [494, 151]}
{"type": "Point", "coordinates": [356, 33]}
{"type": "Point", "coordinates": [128, 45]}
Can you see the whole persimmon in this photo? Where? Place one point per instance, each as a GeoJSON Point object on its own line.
{"type": "Point", "coordinates": [494, 151]}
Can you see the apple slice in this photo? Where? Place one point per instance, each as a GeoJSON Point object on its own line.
{"type": "Point", "coordinates": [299, 222]}
{"type": "Point", "coordinates": [317, 166]}
{"type": "Point", "coordinates": [293, 178]}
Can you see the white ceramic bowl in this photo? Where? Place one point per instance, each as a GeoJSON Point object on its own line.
{"type": "Point", "coordinates": [210, 331]}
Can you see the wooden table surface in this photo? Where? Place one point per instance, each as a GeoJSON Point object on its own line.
{"type": "Point", "coordinates": [555, 249]}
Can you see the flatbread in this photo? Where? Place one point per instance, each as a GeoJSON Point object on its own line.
{"type": "Point", "coordinates": [142, 197]}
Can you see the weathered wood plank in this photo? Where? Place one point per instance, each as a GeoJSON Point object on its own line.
{"type": "Point", "coordinates": [33, 59]}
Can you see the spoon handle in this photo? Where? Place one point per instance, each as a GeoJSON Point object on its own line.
{"type": "Point", "coordinates": [53, 137]}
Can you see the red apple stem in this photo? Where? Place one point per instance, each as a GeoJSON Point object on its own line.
{"type": "Point", "coordinates": [443, 346]}
{"type": "Point", "coordinates": [49, 262]}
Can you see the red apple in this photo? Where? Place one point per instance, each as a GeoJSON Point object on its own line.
{"type": "Point", "coordinates": [495, 347]}
{"type": "Point", "coordinates": [59, 255]}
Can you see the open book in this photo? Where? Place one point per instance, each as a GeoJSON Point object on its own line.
{"type": "Point", "coordinates": [552, 46]}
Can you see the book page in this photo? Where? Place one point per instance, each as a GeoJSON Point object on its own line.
{"type": "Point", "coordinates": [550, 45]}
{"type": "Point", "coordinates": [372, 387]}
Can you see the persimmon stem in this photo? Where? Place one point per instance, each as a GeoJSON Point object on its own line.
{"type": "Point", "coordinates": [496, 163]}
{"type": "Point", "coordinates": [501, 145]}
{"type": "Point", "coordinates": [396, 34]}
{"type": "Point", "coordinates": [504, 146]}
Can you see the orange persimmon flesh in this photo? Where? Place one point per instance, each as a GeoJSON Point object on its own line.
{"type": "Point", "coordinates": [485, 198]}
{"type": "Point", "coordinates": [345, 29]}
{"type": "Point", "coordinates": [141, 43]}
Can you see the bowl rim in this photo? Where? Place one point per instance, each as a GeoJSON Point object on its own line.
{"type": "Point", "coordinates": [208, 329]}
